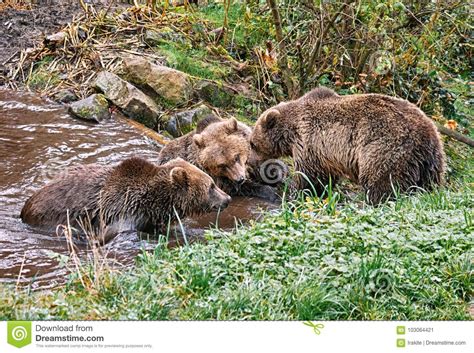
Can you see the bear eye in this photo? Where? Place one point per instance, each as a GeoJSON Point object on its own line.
{"type": "Point", "coordinates": [252, 145]}
{"type": "Point", "coordinates": [237, 159]}
{"type": "Point", "coordinates": [222, 166]}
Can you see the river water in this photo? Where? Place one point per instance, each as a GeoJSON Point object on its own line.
{"type": "Point", "coordinates": [38, 139]}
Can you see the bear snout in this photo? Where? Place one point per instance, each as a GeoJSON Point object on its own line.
{"type": "Point", "coordinates": [241, 180]}
{"type": "Point", "coordinates": [226, 202]}
{"type": "Point", "coordinates": [238, 173]}
{"type": "Point", "coordinates": [220, 199]}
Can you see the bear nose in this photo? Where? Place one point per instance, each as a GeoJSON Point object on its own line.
{"type": "Point", "coordinates": [241, 180]}
{"type": "Point", "coordinates": [226, 202]}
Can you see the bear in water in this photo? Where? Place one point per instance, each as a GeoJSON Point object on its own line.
{"type": "Point", "coordinates": [133, 195]}
{"type": "Point", "coordinates": [381, 142]}
{"type": "Point", "coordinates": [221, 148]}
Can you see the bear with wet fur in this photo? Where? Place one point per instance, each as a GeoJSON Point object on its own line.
{"type": "Point", "coordinates": [133, 195]}
{"type": "Point", "coordinates": [221, 148]}
{"type": "Point", "coordinates": [218, 147]}
{"type": "Point", "coordinates": [381, 142]}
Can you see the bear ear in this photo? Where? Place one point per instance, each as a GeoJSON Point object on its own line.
{"type": "Point", "coordinates": [269, 118]}
{"type": "Point", "coordinates": [231, 125]}
{"type": "Point", "coordinates": [208, 120]}
{"type": "Point", "coordinates": [199, 140]}
{"type": "Point", "coordinates": [179, 176]}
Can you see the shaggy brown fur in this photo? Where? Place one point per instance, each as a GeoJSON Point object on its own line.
{"type": "Point", "coordinates": [378, 141]}
{"type": "Point", "coordinates": [221, 148]}
{"type": "Point", "coordinates": [133, 195]}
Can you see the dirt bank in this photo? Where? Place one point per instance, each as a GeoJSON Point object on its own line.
{"type": "Point", "coordinates": [20, 29]}
{"type": "Point", "coordinates": [28, 25]}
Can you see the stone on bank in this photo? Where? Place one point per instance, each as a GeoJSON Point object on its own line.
{"type": "Point", "coordinates": [165, 84]}
{"type": "Point", "coordinates": [133, 102]}
{"type": "Point", "coordinates": [94, 108]}
{"type": "Point", "coordinates": [183, 122]}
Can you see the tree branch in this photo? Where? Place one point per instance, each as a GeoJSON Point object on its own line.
{"type": "Point", "coordinates": [282, 57]}
{"type": "Point", "coordinates": [455, 135]}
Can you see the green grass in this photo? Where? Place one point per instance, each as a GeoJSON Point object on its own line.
{"type": "Point", "coordinates": [462, 110]}
{"type": "Point", "coordinates": [244, 26]}
{"type": "Point", "coordinates": [460, 161]}
{"type": "Point", "coordinates": [41, 77]}
{"type": "Point", "coordinates": [193, 61]}
{"type": "Point", "coordinates": [315, 259]}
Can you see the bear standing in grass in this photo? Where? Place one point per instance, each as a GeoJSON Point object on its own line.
{"type": "Point", "coordinates": [381, 142]}
{"type": "Point", "coordinates": [133, 195]}
{"type": "Point", "coordinates": [221, 148]}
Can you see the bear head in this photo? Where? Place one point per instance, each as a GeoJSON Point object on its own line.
{"type": "Point", "coordinates": [223, 150]}
{"type": "Point", "coordinates": [196, 192]}
{"type": "Point", "coordinates": [272, 136]}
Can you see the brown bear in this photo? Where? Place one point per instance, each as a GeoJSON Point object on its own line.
{"type": "Point", "coordinates": [381, 142]}
{"type": "Point", "coordinates": [221, 148]}
{"type": "Point", "coordinates": [133, 195]}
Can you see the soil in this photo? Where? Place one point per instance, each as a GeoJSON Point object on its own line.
{"type": "Point", "coordinates": [21, 29]}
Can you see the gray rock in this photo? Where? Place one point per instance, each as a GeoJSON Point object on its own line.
{"type": "Point", "coordinates": [65, 96]}
{"type": "Point", "coordinates": [169, 86]}
{"type": "Point", "coordinates": [181, 123]}
{"type": "Point", "coordinates": [55, 39]}
{"type": "Point", "coordinates": [213, 93]}
{"type": "Point", "coordinates": [94, 108]}
{"type": "Point", "coordinates": [154, 38]}
{"type": "Point", "coordinates": [133, 102]}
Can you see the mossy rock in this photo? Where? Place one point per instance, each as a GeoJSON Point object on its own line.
{"type": "Point", "coordinates": [184, 122]}
{"type": "Point", "coordinates": [156, 37]}
{"type": "Point", "coordinates": [133, 102]}
{"type": "Point", "coordinates": [94, 108]}
{"type": "Point", "coordinates": [165, 85]}
{"type": "Point", "coordinates": [215, 94]}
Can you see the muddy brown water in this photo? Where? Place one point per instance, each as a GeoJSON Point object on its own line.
{"type": "Point", "coordinates": [38, 139]}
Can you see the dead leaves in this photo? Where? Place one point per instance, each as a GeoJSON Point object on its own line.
{"type": "Point", "coordinates": [268, 57]}
{"type": "Point", "coordinates": [451, 124]}
{"type": "Point", "coordinates": [15, 4]}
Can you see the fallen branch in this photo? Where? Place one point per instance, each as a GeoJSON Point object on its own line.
{"type": "Point", "coordinates": [455, 135]}
{"type": "Point", "coordinates": [146, 131]}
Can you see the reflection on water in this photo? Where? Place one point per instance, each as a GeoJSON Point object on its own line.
{"type": "Point", "coordinates": [38, 140]}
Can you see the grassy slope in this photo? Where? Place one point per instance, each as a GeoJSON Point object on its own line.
{"type": "Point", "coordinates": [329, 259]}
